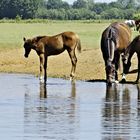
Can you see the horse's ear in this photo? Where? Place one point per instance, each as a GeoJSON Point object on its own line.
{"type": "Point", "coordinates": [24, 39]}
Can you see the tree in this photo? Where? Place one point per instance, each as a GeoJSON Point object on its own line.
{"type": "Point", "coordinates": [112, 13]}
{"type": "Point", "coordinates": [23, 8]}
{"type": "Point", "coordinates": [57, 4]}
{"type": "Point", "coordinates": [127, 3]}
{"type": "Point", "coordinates": [80, 4]}
{"type": "Point", "coordinates": [100, 7]}
{"type": "Point", "coordinates": [30, 7]}
{"type": "Point", "coordinates": [128, 13]}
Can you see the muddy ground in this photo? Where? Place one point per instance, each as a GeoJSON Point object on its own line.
{"type": "Point", "coordinates": [90, 65]}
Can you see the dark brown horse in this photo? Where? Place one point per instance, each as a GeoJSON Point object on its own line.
{"type": "Point", "coordinates": [115, 39]}
{"type": "Point", "coordinates": [130, 50]}
{"type": "Point", "coordinates": [137, 23]}
{"type": "Point", "coordinates": [53, 45]}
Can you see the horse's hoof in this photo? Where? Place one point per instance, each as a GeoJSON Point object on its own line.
{"type": "Point", "coordinates": [41, 81]}
{"type": "Point", "coordinates": [116, 81]}
{"type": "Point", "coordinates": [71, 78]}
{"type": "Point", "coordinates": [123, 81]}
{"type": "Point", "coordinates": [137, 81]}
{"type": "Point", "coordinates": [109, 84]}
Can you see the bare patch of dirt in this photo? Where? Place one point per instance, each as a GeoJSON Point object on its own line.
{"type": "Point", "coordinates": [90, 65]}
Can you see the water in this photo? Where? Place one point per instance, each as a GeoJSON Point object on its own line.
{"type": "Point", "coordinates": [64, 111]}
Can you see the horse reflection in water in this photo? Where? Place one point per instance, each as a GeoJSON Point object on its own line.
{"type": "Point", "coordinates": [48, 112]}
{"type": "Point", "coordinates": [116, 113]}
{"type": "Point", "coordinates": [43, 91]}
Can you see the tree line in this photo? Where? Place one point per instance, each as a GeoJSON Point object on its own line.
{"type": "Point", "coordinates": [61, 10]}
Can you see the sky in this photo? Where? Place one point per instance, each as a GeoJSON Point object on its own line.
{"type": "Point", "coordinates": [71, 1]}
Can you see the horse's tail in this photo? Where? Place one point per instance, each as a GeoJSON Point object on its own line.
{"type": "Point", "coordinates": [78, 45]}
{"type": "Point", "coordinates": [110, 46]}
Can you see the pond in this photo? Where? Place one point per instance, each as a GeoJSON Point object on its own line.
{"type": "Point", "coordinates": [62, 110]}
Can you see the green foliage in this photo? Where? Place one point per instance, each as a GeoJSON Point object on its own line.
{"type": "Point", "coordinates": [23, 8]}
{"type": "Point", "coordinates": [80, 4]}
{"type": "Point", "coordinates": [137, 16]}
{"type": "Point", "coordinates": [58, 9]}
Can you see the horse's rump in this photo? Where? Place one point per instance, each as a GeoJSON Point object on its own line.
{"type": "Point", "coordinates": [71, 39]}
{"type": "Point", "coordinates": [120, 35]}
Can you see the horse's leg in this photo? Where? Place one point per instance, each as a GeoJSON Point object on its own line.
{"type": "Point", "coordinates": [45, 69]}
{"type": "Point", "coordinates": [41, 57]}
{"type": "Point", "coordinates": [116, 62]}
{"type": "Point", "coordinates": [73, 61]}
{"type": "Point", "coordinates": [138, 76]}
{"type": "Point", "coordinates": [126, 66]}
{"type": "Point", "coordinates": [123, 73]}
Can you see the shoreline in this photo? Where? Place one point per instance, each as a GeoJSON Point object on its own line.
{"type": "Point", "coordinates": [90, 65]}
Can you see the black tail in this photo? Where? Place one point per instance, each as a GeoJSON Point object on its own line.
{"type": "Point", "coordinates": [110, 33]}
{"type": "Point", "coordinates": [110, 46]}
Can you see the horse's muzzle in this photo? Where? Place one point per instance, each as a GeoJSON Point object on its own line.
{"type": "Point", "coordinates": [25, 55]}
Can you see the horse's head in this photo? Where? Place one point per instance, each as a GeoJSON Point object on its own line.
{"type": "Point", "coordinates": [137, 22]}
{"type": "Point", "coordinates": [27, 46]}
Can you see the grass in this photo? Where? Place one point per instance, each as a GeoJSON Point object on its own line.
{"type": "Point", "coordinates": [12, 33]}
{"type": "Point", "coordinates": [90, 61]}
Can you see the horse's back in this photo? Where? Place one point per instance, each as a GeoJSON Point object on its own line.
{"type": "Point", "coordinates": [123, 29]}
{"type": "Point", "coordinates": [70, 35]}
{"type": "Point", "coordinates": [121, 35]}
{"type": "Point", "coordinates": [124, 35]}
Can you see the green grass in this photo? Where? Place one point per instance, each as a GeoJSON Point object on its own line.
{"type": "Point", "coordinates": [11, 34]}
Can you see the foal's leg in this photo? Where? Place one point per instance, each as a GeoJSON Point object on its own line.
{"type": "Point", "coordinates": [73, 61]}
{"type": "Point", "coordinates": [45, 69]}
{"type": "Point", "coordinates": [41, 57]}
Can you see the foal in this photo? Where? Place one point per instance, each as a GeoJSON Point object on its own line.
{"type": "Point", "coordinates": [53, 45]}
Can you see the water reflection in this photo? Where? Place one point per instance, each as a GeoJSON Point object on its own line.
{"type": "Point", "coordinates": [44, 115]}
{"type": "Point", "coordinates": [138, 88]}
{"type": "Point", "coordinates": [65, 111]}
{"type": "Point", "coordinates": [73, 89]}
{"type": "Point", "coordinates": [43, 90]}
{"type": "Point", "coordinates": [118, 114]}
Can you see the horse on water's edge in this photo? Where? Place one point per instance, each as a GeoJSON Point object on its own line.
{"type": "Point", "coordinates": [115, 39]}
{"type": "Point", "coordinates": [53, 45]}
{"type": "Point", "coordinates": [134, 47]}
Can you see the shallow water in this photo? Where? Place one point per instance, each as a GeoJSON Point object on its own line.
{"type": "Point", "coordinates": [65, 111]}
